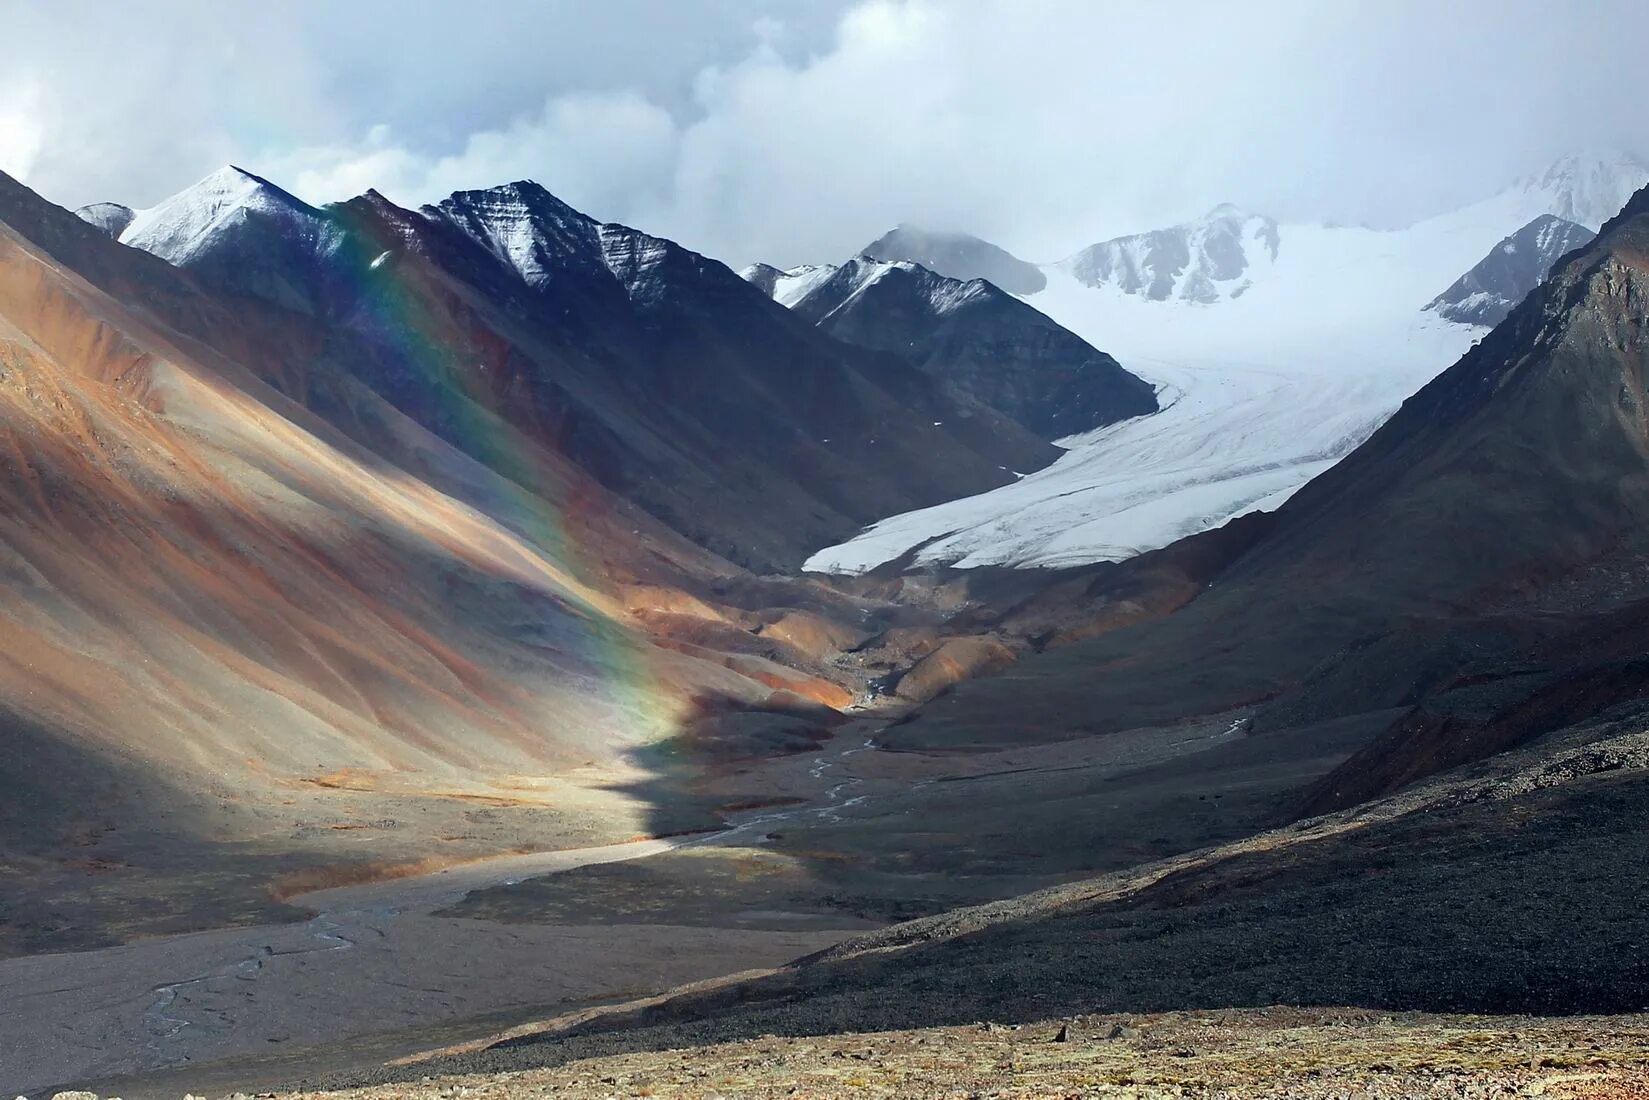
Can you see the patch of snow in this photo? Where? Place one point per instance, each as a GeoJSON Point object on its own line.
{"type": "Point", "coordinates": [187, 224]}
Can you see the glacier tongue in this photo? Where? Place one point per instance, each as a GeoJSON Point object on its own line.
{"type": "Point", "coordinates": [1261, 392]}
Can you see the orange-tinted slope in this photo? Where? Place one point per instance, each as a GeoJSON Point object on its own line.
{"type": "Point", "coordinates": [200, 578]}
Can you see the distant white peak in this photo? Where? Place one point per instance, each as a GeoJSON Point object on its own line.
{"type": "Point", "coordinates": [788, 286]}
{"type": "Point", "coordinates": [1207, 260]}
{"type": "Point", "coordinates": [187, 224]}
{"type": "Point", "coordinates": [111, 217]}
{"type": "Point", "coordinates": [1585, 188]}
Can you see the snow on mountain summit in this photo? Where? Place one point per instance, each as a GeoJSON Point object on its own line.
{"type": "Point", "coordinates": [818, 290]}
{"type": "Point", "coordinates": [111, 217]}
{"type": "Point", "coordinates": [1587, 189]}
{"type": "Point", "coordinates": [957, 256]}
{"type": "Point", "coordinates": [1205, 260]}
{"type": "Point", "coordinates": [523, 225]}
{"type": "Point", "coordinates": [1486, 294]}
{"type": "Point", "coordinates": [791, 285]}
{"type": "Point", "coordinates": [187, 225]}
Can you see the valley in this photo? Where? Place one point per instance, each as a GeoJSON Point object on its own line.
{"type": "Point", "coordinates": [475, 641]}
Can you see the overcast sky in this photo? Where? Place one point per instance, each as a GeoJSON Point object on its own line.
{"type": "Point", "coordinates": [799, 131]}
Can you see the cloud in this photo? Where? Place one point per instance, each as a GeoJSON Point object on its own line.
{"type": "Point", "coordinates": [21, 129]}
{"type": "Point", "coordinates": [759, 129]}
{"type": "Point", "coordinates": [1046, 124]}
{"type": "Point", "coordinates": [606, 154]}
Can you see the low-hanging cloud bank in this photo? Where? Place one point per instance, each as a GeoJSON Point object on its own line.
{"type": "Point", "coordinates": [789, 133]}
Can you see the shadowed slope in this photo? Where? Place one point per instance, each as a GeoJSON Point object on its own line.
{"type": "Point", "coordinates": [970, 335]}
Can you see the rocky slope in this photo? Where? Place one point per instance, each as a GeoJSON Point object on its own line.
{"type": "Point", "coordinates": [1262, 1054]}
{"type": "Point", "coordinates": [1451, 897]}
{"type": "Point", "coordinates": [978, 340]}
{"type": "Point", "coordinates": [1485, 294]}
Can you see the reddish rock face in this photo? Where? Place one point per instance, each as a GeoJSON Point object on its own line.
{"type": "Point", "coordinates": [955, 660]}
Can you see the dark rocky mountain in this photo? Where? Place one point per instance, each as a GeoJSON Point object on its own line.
{"type": "Point", "coordinates": [958, 256]}
{"type": "Point", "coordinates": [977, 339]}
{"type": "Point", "coordinates": [660, 372]}
{"type": "Point", "coordinates": [1199, 261]}
{"type": "Point", "coordinates": [1486, 294]}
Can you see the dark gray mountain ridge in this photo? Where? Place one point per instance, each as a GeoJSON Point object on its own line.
{"type": "Point", "coordinates": [659, 371]}
{"type": "Point", "coordinates": [1514, 267]}
{"type": "Point", "coordinates": [977, 339]}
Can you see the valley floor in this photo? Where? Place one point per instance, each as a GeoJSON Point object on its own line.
{"type": "Point", "coordinates": [373, 959]}
{"type": "Point", "coordinates": [1254, 1054]}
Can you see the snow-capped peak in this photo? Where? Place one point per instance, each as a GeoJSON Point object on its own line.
{"type": "Point", "coordinates": [788, 286]}
{"type": "Point", "coordinates": [1485, 294]}
{"type": "Point", "coordinates": [828, 288]}
{"type": "Point", "coordinates": [1205, 260]}
{"type": "Point", "coordinates": [1585, 188]}
{"type": "Point", "coordinates": [184, 226]}
{"type": "Point", "coordinates": [111, 217]}
{"type": "Point", "coordinates": [525, 226]}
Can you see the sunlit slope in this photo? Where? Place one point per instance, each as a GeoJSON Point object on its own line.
{"type": "Point", "coordinates": [199, 575]}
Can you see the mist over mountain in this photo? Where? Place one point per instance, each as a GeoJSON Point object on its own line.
{"type": "Point", "coordinates": [959, 256]}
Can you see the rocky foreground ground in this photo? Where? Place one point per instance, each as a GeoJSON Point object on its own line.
{"type": "Point", "coordinates": [1300, 1054]}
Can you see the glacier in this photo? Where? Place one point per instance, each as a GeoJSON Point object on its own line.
{"type": "Point", "coordinates": [1260, 391]}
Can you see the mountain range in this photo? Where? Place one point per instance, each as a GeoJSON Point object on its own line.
{"type": "Point", "coordinates": [630, 320]}
{"type": "Point", "coordinates": [318, 514]}
{"type": "Point", "coordinates": [467, 557]}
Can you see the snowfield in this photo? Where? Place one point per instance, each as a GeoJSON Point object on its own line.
{"type": "Point", "coordinates": [1261, 391]}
